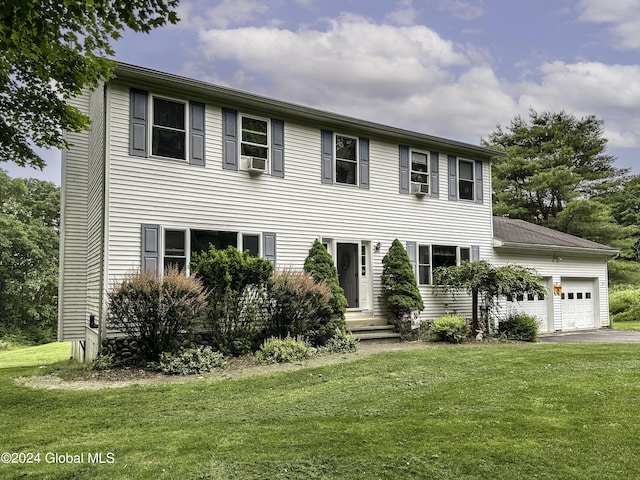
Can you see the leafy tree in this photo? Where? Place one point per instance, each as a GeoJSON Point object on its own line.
{"type": "Point", "coordinates": [320, 265]}
{"type": "Point", "coordinates": [487, 283]}
{"type": "Point", "coordinates": [399, 287]}
{"type": "Point", "coordinates": [49, 52]}
{"type": "Point", "coordinates": [29, 219]}
{"type": "Point", "coordinates": [551, 159]}
{"type": "Point", "coordinates": [593, 220]}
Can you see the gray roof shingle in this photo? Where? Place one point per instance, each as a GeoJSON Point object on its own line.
{"type": "Point", "coordinates": [519, 232]}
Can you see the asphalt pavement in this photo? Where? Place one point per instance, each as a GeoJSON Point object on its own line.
{"type": "Point", "coordinates": [604, 335]}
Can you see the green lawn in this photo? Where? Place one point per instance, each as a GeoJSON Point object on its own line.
{"type": "Point", "coordinates": [635, 326]}
{"type": "Point", "coordinates": [504, 411]}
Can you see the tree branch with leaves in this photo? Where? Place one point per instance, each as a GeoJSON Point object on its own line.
{"type": "Point", "coordinates": [51, 51]}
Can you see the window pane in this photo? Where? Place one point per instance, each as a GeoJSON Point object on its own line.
{"type": "Point", "coordinates": [174, 242]}
{"type": "Point", "coordinates": [423, 255]}
{"type": "Point", "coordinates": [346, 172]}
{"type": "Point", "coordinates": [175, 262]}
{"type": "Point", "coordinates": [423, 274]}
{"type": "Point", "coordinates": [252, 244]}
{"type": "Point", "coordinates": [254, 151]}
{"type": "Point", "coordinates": [466, 170]}
{"type": "Point", "coordinates": [444, 256]}
{"type": "Point", "coordinates": [466, 190]}
{"type": "Point", "coordinates": [345, 148]}
{"type": "Point", "coordinates": [465, 254]}
{"type": "Point", "coordinates": [254, 125]}
{"type": "Point", "coordinates": [202, 239]}
{"type": "Point", "coordinates": [168, 114]}
{"type": "Point", "coordinates": [418, 162]}
{"type": "Point", "coordinates": [168, 143]}
{"type": "Point", "coordinates": [258, 138]}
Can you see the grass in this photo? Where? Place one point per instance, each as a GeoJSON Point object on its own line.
{"type": "Point", "coordinates": [33, 356]}
{"type": "Point", "coordinates": [635, 326]}
{"type": "Point", "coordinates": [452, 412]}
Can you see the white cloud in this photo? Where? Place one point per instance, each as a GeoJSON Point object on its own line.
{"type": "Point", "coordinates": [465, 10]}
{"type": "Point", "coordinates": [622, 15]}
{"type": "Point", "coordinates": [224, 14]}
{"type": "Point", "coordinates": [611, 92]}
{"type": "Point", "coordinates": [405, 14]}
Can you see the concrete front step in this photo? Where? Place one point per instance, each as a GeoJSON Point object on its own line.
{"type": "Point", "coordinates": [369, 329]}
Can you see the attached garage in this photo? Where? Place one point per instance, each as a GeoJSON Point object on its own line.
{"type": "Point", "coordinates": [535, 305]}
{"type": "Point", "coordinates": [578, 303]}
{"type": "Point", "coordinates": [574, 270]}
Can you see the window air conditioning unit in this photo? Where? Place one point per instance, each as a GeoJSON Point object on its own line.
{"type": "Point", "coordinates": [419, 188]}
{"type": "Point", "coordinates": [257, 165]}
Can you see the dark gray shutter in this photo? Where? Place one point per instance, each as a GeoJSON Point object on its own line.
{"type": "Point", "coordinates": [434, 188]}
{"type": "Point", "coordinates": [150, 248]}
{"type": "Point", "coordinates": [479, 183]}
{"type": "Point", "coordinates": [229, 139]}
{"type": "Point", "coordinates": [453, 177]}
{"type": "Point", "coordinates": [404, 168]}
{"type": "Point", "coordinates": [475, 253]}
{"type": "Point", "coordinates": [364, 163]}
{"type": "Point", "coordinates": [413, 256]}
{"type": "Point", "coordinates": [196, 133]}
{"type": "Point", "coordinates": [139, 113]}
{"type": "Point", "coordinates": [269, 247]}
{"type": "Point", "coordinates": [327, 156]}
{"type": "Point", "coordinates": [277, 148]}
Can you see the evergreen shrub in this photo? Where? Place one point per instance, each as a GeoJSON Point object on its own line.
{"type": "Point", "coordinates": [399, 287]}
{"type": "Point", "coordinates": [519, 326]}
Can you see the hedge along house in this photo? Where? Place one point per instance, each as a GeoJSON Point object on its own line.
{"type": "Point", "coordinates": [172, 165]}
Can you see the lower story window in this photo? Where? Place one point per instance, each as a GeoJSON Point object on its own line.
{"type": "Point", "coordinates": [175, 250]}
{"type": "Point", "coordinates": [424, 265]}
{"type": "Point", "coordinates": [444, 256]}
{"type": "Point", "coordinates": [431, 257]}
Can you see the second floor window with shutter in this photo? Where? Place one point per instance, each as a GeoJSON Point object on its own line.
{"type": "Point", "coordinates": [169, 129]}
{"type": "Point", "coordinates": [346, 160]}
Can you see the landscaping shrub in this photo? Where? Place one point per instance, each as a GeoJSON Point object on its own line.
{"type": "Point", "coordinates": [450, 328]}
{"type": "Point", "coordinates": [320, 265]}
{"type": "Point", "coordinates": [300, 306]}
{"type": "Point", "coordinates": [341, 342]}
{"type": "Point", "coordinates": [191, 361]}
{"type": "Point", "coordinates": [519, 326]}
{"type": "Point", "coordinates": [624, 305]}
{"type": "Point", "coordinates": [154, 311]}
{"type": "Point", "coordinates": [236, 284]}
{"type": "Point", "coordinates": [399, 288]}
{"type": "Point", "coordinates": [277, 350]}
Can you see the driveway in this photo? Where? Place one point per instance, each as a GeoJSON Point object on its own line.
{"type": "Point", "coordinates": [604, 335]}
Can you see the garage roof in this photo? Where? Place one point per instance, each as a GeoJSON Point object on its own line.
{"type": "Point", "coordinates": [510, 232]}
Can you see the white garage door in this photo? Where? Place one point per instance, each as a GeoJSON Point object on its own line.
{"type": "Point", "coordinates": [536, 306]}
{"type": "Point", "coordinates": [577, 300]}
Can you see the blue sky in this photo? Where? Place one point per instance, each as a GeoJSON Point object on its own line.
{"type": "Point", "coordinates": [452, 68]}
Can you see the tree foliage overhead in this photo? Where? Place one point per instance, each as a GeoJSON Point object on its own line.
{"type": "Point", "coordinates": [551, 159]}
{"type": "Point", "coordinates": [49, 52]}
{"type": "Point", "coordinates": [29, 220]}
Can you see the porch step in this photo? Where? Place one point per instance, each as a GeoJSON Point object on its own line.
{"type": "Point", "coordinates": [369, 329]}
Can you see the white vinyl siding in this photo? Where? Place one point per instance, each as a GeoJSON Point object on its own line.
{"type": "Point", "coordinates": [170, 193]}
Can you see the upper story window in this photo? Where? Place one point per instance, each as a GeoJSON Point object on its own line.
{"type": "Point", "coordinates": [466, 179]}
{"type": "Point", "coordinates": [169, 129]}
{"type": "Point", "coordinates": [346, 159]}
{"type": "Point", "coordinates": [255, 138]}
{"type": "Point", "coordinates": [419, 167]}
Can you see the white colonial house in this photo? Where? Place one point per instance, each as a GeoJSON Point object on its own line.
{"type": "Point", "coordinates": [172, 164]}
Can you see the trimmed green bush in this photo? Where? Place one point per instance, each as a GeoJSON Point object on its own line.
{"type": "Point", "coordinates": [450, 328]}
{"type": "Point", "coordinates": [399, 287]}
{"type": "Point", "coordinates": [300, 306]}
{"type": "Point", "coordinates": [191, 361]}
{"type": "Point", "coordinates": [156, 311]}
{"type": "Point", "coordinates": [519, 326]}
{"type": "Point", "coordinates": [320, 265]}
{"type": "Point", "coordinates": [278, 350]}
{"type": "Point", "coordinates": [624, 305]}
{"type": "Point", "coordinates": [237, 284]}
{"type": "Point", "coordinates": [341, 342]}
